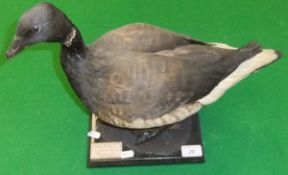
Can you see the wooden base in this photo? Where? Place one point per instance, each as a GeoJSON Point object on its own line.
{"type": "Point", "coordinates": [179, 143]}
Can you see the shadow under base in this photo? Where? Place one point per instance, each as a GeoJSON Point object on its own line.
{"type": "Point", "coordinates": [177, 143]}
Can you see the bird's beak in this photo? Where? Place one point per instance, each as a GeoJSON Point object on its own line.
{"type": "Point", "coordinates": [16, 46]}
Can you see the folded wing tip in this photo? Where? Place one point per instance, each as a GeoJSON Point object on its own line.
{"type": "Point", "coordinates": [265, 57]}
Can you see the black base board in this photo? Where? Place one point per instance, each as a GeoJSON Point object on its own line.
{"type": "Point", "coordinates": [177, 143]}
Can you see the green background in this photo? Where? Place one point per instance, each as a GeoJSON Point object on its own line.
{"type": "Point", "coordinates": [43, 125]}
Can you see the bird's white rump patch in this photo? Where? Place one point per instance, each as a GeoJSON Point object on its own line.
{"type": "Point", "coordinates": [222, 45]}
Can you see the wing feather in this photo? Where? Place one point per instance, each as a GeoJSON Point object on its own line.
{"type": "Point", "coordinates": [143, 38]}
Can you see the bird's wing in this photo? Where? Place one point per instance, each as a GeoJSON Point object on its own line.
{"type": "Point", "coordinates": [148, 85]}
{"type": "Point", "coordinates": [142, 38]}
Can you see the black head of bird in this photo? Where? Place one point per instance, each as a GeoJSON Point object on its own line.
{"type": "Point", "coordinates": [139, 75]}
{"type": "Point", "coordinates": [42, 23]}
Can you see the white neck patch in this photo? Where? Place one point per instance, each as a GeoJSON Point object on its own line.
{"type": "Point", "coordinates": [70, 37]}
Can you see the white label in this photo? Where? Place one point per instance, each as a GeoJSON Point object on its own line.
{"type": "Point", "coordinates": [106, 150]}
{"type": "Point", "coordinates": [94, 134]}
{"type": "Point", "coordinates": [127, 154]}
{"type": "Point", "coordinates": [191, 151]}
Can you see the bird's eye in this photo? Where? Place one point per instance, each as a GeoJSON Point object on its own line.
{"type": "Point", "coordinates": [35, 29]}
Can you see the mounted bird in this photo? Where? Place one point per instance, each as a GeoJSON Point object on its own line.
{"type": "Point", "coordinates": [139, 75]}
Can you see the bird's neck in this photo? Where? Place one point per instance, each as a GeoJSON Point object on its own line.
{"type": "Point", "coordinates": [73, 42]}
{"type": "Point", "coordinates": [73, 49]}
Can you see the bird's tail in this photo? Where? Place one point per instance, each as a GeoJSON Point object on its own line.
{"type": "Point", "coordinates": [238, 65]}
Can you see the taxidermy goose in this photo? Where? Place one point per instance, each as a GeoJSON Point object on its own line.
{"type": "Point", "coordinates": [140, 76]}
